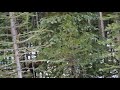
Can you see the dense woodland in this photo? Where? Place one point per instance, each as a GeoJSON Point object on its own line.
{"type": "Point", "coordinates": [59, 45]}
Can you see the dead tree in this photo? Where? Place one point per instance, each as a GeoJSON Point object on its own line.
{"type": "Point", "coordinates": [14, 33]}
{"type": "Point", "coordinates": [101, 24]}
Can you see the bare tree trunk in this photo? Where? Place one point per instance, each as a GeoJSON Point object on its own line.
{"type": "Point", "coordinates": [73, 65]}
{"type": "Point", "coordinates": [101, 24]}
{"type": "Point", "coordinates": [13, 32]}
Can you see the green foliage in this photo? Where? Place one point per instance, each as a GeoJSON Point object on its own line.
{"type": "Point", "coordinates": [72, 38]}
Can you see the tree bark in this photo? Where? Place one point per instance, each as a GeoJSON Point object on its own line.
{"type": "Point", "coordinates": [101, 24]}
{"type": "Point", "coordinates": [14, 33]}
{"type": "Point", "coordinates": [73, 65]}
